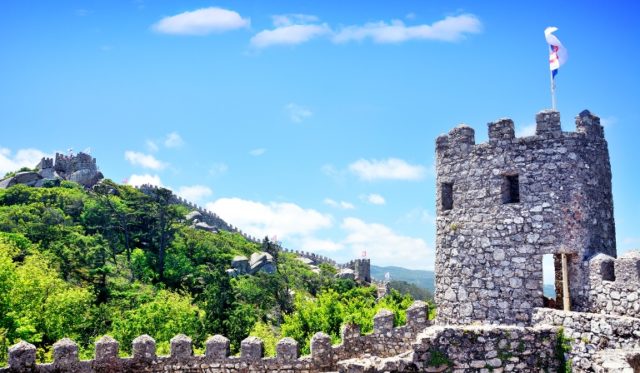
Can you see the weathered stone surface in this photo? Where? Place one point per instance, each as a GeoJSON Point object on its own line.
{"type": "Point", "coordinates": [181, 348]}
{"type": "Point", "coordinates": [65, 354]}
{"type": "Point", "coordinates": [240, 263]}
{"type": "Point", "coordinates": [501, 205]}
{"type": "Point", "coordinates": [346, 273]}
{"type": "Point", "coordinates": [107, 348]}
{"type": "Point", "coordinates": [261, 261]}
{"type": "Point", "coordinates": [251, 348]}
{"type": "Point", "coordinates": [22, 356]}
{"type": "Point", "coordinates": [287, 349]}
{"type": "Point", "coordinates": [29, 178]}
{"type": "Point", "coordinates": [144, 347]}
{"type": "Point", "coordinates": [383, 322]}
{"type": "Point", "coordinates": [217, 347]}
{"type": "Point", "coordinates": [193, 215]}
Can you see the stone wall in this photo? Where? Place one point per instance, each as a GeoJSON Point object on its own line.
{"type": "Point", "coordinates": [384, 341]}
{"type": "Point", "coordinates": [215, 221]}
{"type": "Point", "coordinates": [501, 205]}
{"type": "Point", "coordinates": [617, 361]}
{"type": "Point", "coordinates": [591, 333]}
{"type": "Point", "coordinates": [473, 348]}
{"type": "Point", "coordinates": [615, 284]}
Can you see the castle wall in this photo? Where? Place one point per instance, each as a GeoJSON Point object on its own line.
{"type": "Point", "coordinates": [384, 341]}
{"type": "Point", "coordinates": [470, 348]}
{"type": "Point", "coordinates": [615, 284]}
{"type": "Point", "coordinates": [501, 205]}
{"type": "Point", "coordinates": [591, 333]}
{"type": "Point", "coordinates": [216, 221]}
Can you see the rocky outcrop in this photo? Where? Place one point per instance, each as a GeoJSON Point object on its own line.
{"type": "Point", "coordinates": [29, 178]}
{"type": "Point", "coordinates": [260, 261]}
{"type": "Point", "coordinates": [346, 273]}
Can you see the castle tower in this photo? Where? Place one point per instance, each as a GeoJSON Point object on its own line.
{"type": "Point", "coordinates": [502, 205]}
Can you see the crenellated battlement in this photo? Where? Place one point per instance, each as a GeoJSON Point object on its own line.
{"type": "Point", "coordinates": [462, 137]}
{"type": "Point", "coordinates": [384, 341]}
{"type": "Point", "coordinates": [615, 284]}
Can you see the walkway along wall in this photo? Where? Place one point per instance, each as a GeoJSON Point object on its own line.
{"type": "Point", "coordinates": [384, 341]}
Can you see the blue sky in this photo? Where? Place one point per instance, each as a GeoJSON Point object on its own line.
{"type": "Point", "coordinates": [313, 121]}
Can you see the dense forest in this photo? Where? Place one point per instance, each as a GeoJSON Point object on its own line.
{"type": "Point", "coordinates": [114, 261]}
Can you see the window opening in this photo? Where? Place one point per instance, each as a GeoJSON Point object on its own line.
{"type": "Point", "coordinates": [510, 189]}
{"type": "Point", "coordinates": [447, 196]}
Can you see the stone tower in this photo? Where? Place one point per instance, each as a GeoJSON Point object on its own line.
{"type": "Point", "coordinates": [502, 205]}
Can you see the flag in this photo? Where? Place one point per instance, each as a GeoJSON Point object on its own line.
{"type": "Point", "coordinates": [558, 54]}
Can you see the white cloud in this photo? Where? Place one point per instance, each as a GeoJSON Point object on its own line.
{"type": "Point", "coordinates": [201, 22]}
{"type": "Point", "coordinates": [194, 193]}
{"type": "Point", "coordinates": [23, 158]}
{"type": "Point", "coordinates": [316, 245]}
{"type": "Point", "coordinates": [144, 160]}
{"type": "Point", "coordinates": [374, 199]}
{"type": "Point", "coordinates": [173, 140]}
{"type": "Point", "coordinates": [257, 152]}
{"type": "Point", "coordinates": [450, 29]}
{"type": "Point", "coordinates": [152, 146]}
{"type": "Point", "coordinates": [292, 19]}
{"type": "Point", "coordinates": [420, 215]}
{"type": "Point", "coordinates": [297, 113]}
{"type": "Point", "coordinates": [290, 29]}
{"type": "Point", "coordinates": [390, 169]}
{"type": "Point", "coordinates": [528, 130]}
{"type": "Point", "coordinates": [342, 204]}
{"type": "Point", "coordinates": [282, 219]}
{"type": "Point", "coordinates": [137, 180]}
{"type": "Point", "coordinates": [383, 245]}
{"type": "Point", "coordinates": [218, 169]}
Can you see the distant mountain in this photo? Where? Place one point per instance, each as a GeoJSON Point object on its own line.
{"type": "Point", "coordinates": [421, 278]}
{"type": "Point", "coordinates": [426, 279]}
{"type": "Point", "coordinates": [549, 290]}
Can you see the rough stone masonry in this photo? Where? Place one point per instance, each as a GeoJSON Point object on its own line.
{"type": "Point", "coordinates": [501, 205]}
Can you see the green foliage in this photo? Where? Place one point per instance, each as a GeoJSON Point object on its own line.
{"type": "Point", "coordinates": [268, 335]}
{"type": "Point", "coordinates": [112, 260]}
{"type": "Point", "coordinates": [330, 310]}
{"type": "Point", "coordinates": [438, 358]}
{"type": "Point", "coordinates": [563, 346]}
{"type": "Point", "coordinates": [162, 317]}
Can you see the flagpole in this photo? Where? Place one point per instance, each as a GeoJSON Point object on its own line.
{"type": "Point", "coordinates": [553, 91]}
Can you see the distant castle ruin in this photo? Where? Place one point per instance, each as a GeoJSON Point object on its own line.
{"type": "Point", "coordinates": [80, 168]}
{"type": "Point", "coordinates": [501, 206]}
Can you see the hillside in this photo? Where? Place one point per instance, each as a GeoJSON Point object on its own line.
{"type": "Point", "coordinates": [420, 278]}
{"type": "Point", "coordinates": [82, 262]}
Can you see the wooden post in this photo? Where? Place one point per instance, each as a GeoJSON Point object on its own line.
{"type": "Point", "coordinates": [565, 284]}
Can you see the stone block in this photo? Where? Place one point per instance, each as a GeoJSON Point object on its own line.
{"type": "Point", "coordinates": [502, 129]}
{"type": "Point", "coordinates": [383, 322]}
{"type": "Point", "coordinates": [22, 356]}
{"type": "Point", "coordinates": [65, 354]}
{"type": "Point", "coordinates": [548, 123]}
{"type": "Point", "coordinates": [417, 315]}
{"type": "Point", "coordinates": [181, 348]}
{"type": "Point", "coordinates": [287, 349]}
{"type": "Point", "coordinates": [217, 347]}
{"type": "Point", "coordinates": [321, 353]}
{"type": "Point", "coordinates": [107, 348]}
{"type": "Point", "coordinates": [251, 348]}
{"type": "Point", "coordinates": [144, 347]}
